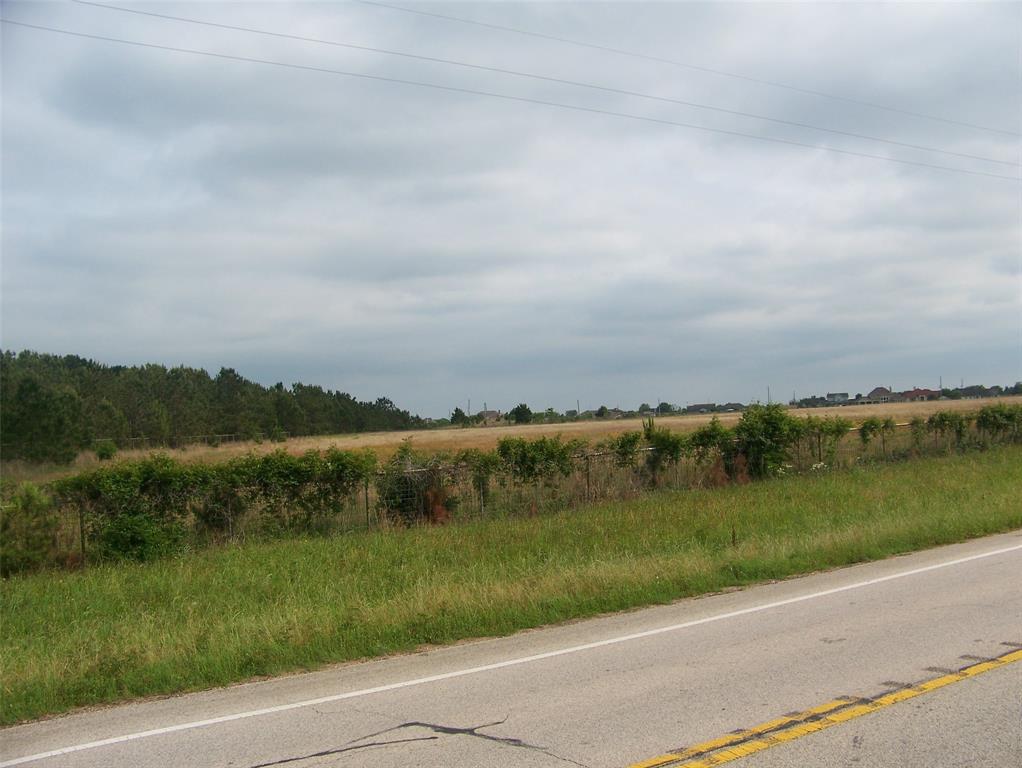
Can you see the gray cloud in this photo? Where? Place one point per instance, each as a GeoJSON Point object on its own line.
{"type": "Point", "coordinates": [430, 246]}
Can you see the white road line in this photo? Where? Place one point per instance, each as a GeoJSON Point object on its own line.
{"type": "Point", "coordinates": [500, 664]}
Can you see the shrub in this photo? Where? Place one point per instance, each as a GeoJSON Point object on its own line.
{"type": "Point", "coordinates": [917, 429]}
{"type": "Point", "coordinates": [668, 448]}
{"type": "Point", "coordinates": [105, 450]}
{"type": "Point", "coordinates": [712, 440]}
{"type": "Point", "coordinates": [868, 429]}
{"type": "Point", "coordinates": [481, 466]}
{"type": "Point", "coordinates": [145, 509]}
{"type": "Point", "coordinates": [832, 429]}
{"type": "Point", "coordinates": [1000, 421]}
{"type": "Point", "coordinates": [950, 426]}
{"type": "Point", "coordinates": [624, 447]}
{"type": "Point", "coordinates": [28, 531]}
{"type": "Point", "coordinates": [765, 435]}
{"type": "Point", "coordinates": [140, 536]}
{"type": "Point", "coordinates": [412, 488]}
{"type": "Point", "coordinates": [537, 461]}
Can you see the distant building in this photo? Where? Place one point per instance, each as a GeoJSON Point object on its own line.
{"type": "Point", "coordinates": [489, 417]}
{"type": "Point", "coordinates": [837, 397]}
{"type": "Point", "coordinates": [701, 408]}
{"type": "Point", "coordinates": [877, 396]}
{"type": "Point", "coordinates": [918, 395]}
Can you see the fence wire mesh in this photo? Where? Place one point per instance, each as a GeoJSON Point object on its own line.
{"type": "Point", "coordinates": [75, 535]}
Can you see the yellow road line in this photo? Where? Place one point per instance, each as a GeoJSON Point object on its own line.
{"type": "Point", "coordinates": [738, 736]}
{"type": "Point", "coordinates": [735, 746]}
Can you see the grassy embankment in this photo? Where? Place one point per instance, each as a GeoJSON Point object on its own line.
{"type": "Point", "coordinates": [220, 616]}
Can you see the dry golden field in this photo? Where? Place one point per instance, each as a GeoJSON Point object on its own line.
{"type": "Point", "coordinates": [383, 444]}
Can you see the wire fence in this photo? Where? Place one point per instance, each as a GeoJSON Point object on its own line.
{"type": "Point", "coordinates": [76, 535]}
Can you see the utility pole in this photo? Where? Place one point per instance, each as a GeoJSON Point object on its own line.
{"type": "Point", "coordinates": [768, 394]}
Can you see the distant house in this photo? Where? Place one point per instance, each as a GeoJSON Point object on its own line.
{"type": "Point", "coordinates": [918, 395]}
{"type": "Point", "coordinates": [731, 407]}
{"type": "Point", "coordinates": [975, 391]}
{"type": "Point", "coordinates": [489, 417]}
{"type": "Point", "coordinates": [879, 395]}
{"type": "Point", "coordinates": [837, 397]}
{"type": "Point", "coordinates": [701, 408]}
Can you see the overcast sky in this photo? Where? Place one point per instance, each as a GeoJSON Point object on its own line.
{"type": "Point", "coordinates": [386, 239]}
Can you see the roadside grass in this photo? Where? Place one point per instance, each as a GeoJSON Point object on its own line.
{"type": "Point", "coordinates": [220, 616]}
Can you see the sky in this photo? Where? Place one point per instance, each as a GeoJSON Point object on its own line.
{"type": "Point", "coordinates": [437, 246]}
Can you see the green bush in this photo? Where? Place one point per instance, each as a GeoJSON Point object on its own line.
{"type": "Point", "coordinates": [828, 433]}
{"type": "Point", "coordinates": [951, 426]}
{"type": "Point", "coordinates": [139, 536]}
{"type": "Point", "coordinates": [105, 449]}
{"type": "Point", "coordinates": [537, 461]}
{"type": "Point", "coordinates": [712, 441]}
{"type": "Point", "coordinates": [917, 429]}
{"type": "Point", "coordinates": [625, 447]}
{"type": "Point", "coordinates": [413, 488]}
{"type": "Point", "coordinates": [868, 429]}
{"type": "Point", "coordinates": [29, 525]}
{"type": "Point", "coordinates": [481, 467]}
{"type": "Point", "coordinates": [668, 448]}
{"type": "Point", "coordinates": [1000, 422]}
{"type": "Point", "coordinates": [765, 435]}
{"type": "Point", "coordinates": [147, 508]}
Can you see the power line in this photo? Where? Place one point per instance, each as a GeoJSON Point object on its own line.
{"type": "Point", "coordinates": [696, 67]}
{"type": "Point", "coordinates": [545, 78]}
{"type": "Point", "coordinates": [508, 97]}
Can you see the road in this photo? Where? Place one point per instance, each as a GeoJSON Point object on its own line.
{"type": "Point", "coordinates": [636, 688]}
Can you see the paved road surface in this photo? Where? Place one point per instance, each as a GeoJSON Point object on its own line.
{"type": "Point", "coordinates": [626, 688]}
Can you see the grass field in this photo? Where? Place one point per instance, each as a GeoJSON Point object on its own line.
{"type": "Point", "coordinates": [453, 438]}
{"type": "Point", "coordinates": [225, 615]}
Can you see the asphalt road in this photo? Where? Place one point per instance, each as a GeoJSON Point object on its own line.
{"type": "Point", "coordinates": [628, 688]}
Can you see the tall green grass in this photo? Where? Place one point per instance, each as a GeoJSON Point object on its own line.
{"type": "Point", "coordinates": [223, 615]}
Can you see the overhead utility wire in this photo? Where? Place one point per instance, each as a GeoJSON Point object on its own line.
{"type": "Point", "coordinates": [696, 67]}
{"type": "Point", "coordinates": [545, 78]}
{"type": "Point", "coordinates": [506, 97]}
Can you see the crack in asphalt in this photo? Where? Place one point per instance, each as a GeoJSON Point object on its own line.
{"type": "Point", "coordinates": [436, 728]}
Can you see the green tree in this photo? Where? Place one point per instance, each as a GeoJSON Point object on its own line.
{"type": "Point", "coordinates": [521, 414]}
{"type": "Point", "coordinates": [44, 423]}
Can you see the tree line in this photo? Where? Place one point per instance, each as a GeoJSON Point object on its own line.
{"type": "Point", "coordinates": [52, 406]}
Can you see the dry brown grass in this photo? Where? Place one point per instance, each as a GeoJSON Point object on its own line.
{"type": "Point", "coordinates": [384, 444]}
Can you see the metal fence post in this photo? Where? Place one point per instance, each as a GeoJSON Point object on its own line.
{"type": "Point", "coordinates": [589, 492]}
{"type": "Point", "coordinates": [365, 489]}
{"type": "Point", "coordinates": [81, 533]}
